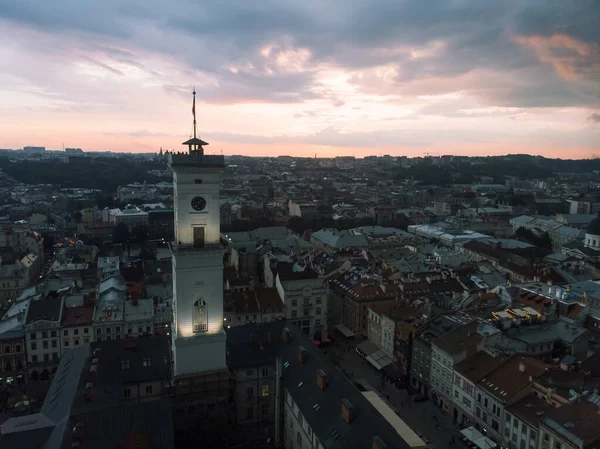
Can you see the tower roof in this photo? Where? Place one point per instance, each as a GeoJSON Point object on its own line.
{"type": "Point", "coordinates": [594, 226]}
{"type": "Point", "coordinates": [195, 141]}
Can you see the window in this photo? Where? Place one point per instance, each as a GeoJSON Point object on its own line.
{"type": "Point", "coordinates": [299, 439]}
{"type": "Point", "coordinates": [456, 394]}
{"type": "Point", "coordinates": [126, 393]}
{"type": "Point", "coordinates": [250, 372]}
{"type": "Point", "coordinates": [18, 348]}
{"type": "Point", "coordinates": [148, 389]}
{"type": "Point", "coordinates": [140, 330]}
{"type": "Point", "coordinates": [148, 327]}
{"type": "Point", "coordinates": [108, 330]}
{"type": "Point", "coordinates": [495, 425]}
{"type": "Point", "coordinates": [249, 413]}
{"type": "Point", "coordinates": [130, 331]}
{"type": "Point", "coordinates": [34, 358]}
{"type": "Point", "coordinates": [7, 349]}
{"type": "Point", "coordinates": [46, 357]}
{"type": "Point", "coordinates": [508, 418]}
{"type": "Point", "coordinates": [86, 330]}
{"type": "Point", "coordinates": [557, 445]}
{"type": "Point", "coordinates": [265, 372]}
{"type": "Point", "coordinates": [199, 316]}
{"type": "Point", "coordinates": [294, 302]}
{"type": "Point", "coordinates": [76, 342]}
{"type": "Point", "coordinates": [264, 391]}
{"type": "Point", "coordinates": [99, 330]}
{"type": "Point", "coordinates": [478, 397]}
{"type": "Point", "coordinates": [318, 301]}
{"type": "Point", "coordinates": [66, 343]}
{"type": "Point", "coordinates": [306, 312]}
{"type": "Point", "coordinates": [44, 334]}
{"type": "Point", "coordinates": [317, 322]}
{"type": "Point", "coordinates": [264, 410]}
{"type": "Point", "coordinates": [125, 364]}
{"type": "Point", "coordinates": [66, 332]}
{"type": "Point", "coordinates": [45, 345]}
{"type": "Point", "coordinates": [147, 361]}
{"type": "Point", "coordinates": [485, 402]}
{"type": "Point", "coordinates": [318, 311]}
{"type": "Point", "coordinates": [249, 393]}
{"type": "Point", "coordinates": [75, 331]}
{"type": "Point", "coordinates": [294, 313]}
{"type": "Point", "coordinates": [32, 336]}
{"type": "Point", "coordinates": [53, 334]}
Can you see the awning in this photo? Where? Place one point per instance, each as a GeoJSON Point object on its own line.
{"type": "Point", "coordinates": [471, 434]}
{"type": "Point", "coordinates": [484, 443]}
{"type": "Point", "coordinates": [345, 331]}
{"type": "Point", "coordinates": [379, 359]}
{"type": "Point", "coordinates": [366, 348]}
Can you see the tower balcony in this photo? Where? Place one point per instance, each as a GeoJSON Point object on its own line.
{"type": "Point", "coordinates": [183, 159]}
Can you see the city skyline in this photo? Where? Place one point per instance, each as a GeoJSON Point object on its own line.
{"type": "Point", "coordinates": [459, 77]}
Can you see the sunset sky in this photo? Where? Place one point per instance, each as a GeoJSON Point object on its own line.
{"type": "Point", "coordinates": [274, 77]}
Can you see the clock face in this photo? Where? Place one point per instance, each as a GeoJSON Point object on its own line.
{"type": "Point", "coordinates": [198, 203]}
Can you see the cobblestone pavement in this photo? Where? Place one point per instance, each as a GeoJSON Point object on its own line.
{"type": "Point", "coordinates": [425, 418]}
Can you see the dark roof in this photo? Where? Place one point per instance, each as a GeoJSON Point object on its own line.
{"type": "Point", "coordinates": [594, 226]}
{"type": "Point", "coordinates": [530, 409]}
{"type": "Point", "coordinates": [477, 366]}
{"type": "Point", "coordinates": [464, 338]}
{"type": "Point", "coordinates": [194, 141]}
{"type": "Point", "coordinates": [508, 379]}
{"type": "Point", "coordinates": [45, 309]}
{"type": "Point", "coordinates": [297, 275]}
{"type": "Point", "coordinates": [77, 316]}
{"type": "Point", "coordinates": [249, 345]}
{"type": "Point", "coordinates": [268, 299]}
{"type": "Point", "coordinates": [322, 409]}
{"type": "Point", "coordinates": [154, 348]}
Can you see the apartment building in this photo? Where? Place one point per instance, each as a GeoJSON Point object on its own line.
{"type": "Point", "coordinates": [466, 375]}
{"type": "Point", "coordinates": [505, 385]}
{"type": "Point", "coordinates": [304, 296]}
{"type": "Point", "coordinates": [456, 346]}
{"type": "Point", "coordinates": [42, 336]}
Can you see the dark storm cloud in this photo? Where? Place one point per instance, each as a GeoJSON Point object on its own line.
{"type": "Point", "coordinates": [486, 37]}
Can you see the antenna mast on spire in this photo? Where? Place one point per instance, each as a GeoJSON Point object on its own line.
{"type": "Point", "coordinates": [194, 111]}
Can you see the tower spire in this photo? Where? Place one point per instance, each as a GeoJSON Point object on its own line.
{"type": "Point", "coordinates": [194, 110]}
{"type": "Point", "coordinates": [195, 144]}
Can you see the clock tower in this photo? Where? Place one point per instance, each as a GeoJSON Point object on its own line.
{"type": "Point", "coordinates": [198, 334]}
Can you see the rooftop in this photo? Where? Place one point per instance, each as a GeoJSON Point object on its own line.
{"type": "Point", "coordinates": [48, 309]}
{"type": "Point", "coordinates": [77, 316]}
{"type": "Point", "coordinates": [475, 368]}
{"type": "Point", "coordinates": [511, 376]}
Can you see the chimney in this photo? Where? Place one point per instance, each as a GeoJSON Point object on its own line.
{"type": "Point", "coordinates": [522, 366]}
{"type": "Point", "coordinates": [378, 444]}
{"type": "Point", "coordinates": [302, 354]}
{"type": "Point", "coordinates": [348, 411]}
{"type": "Point", "coordinates": [89, 392]}
{"type": "Point", "coordinates": [286, 335]}
{"type": "Point", "coordinates": [322, 380]}
{"type": "Point", "coordinates": [269, 339]}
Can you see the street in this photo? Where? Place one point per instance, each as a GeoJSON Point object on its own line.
{"type": "Point", "coordinates": [424, 418]}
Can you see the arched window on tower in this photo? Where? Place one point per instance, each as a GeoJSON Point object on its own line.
{"type": "Point", "coordinates": [200, 316]}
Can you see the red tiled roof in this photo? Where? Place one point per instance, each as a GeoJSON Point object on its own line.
{"type": "Point", "coordinates": [77, 316]}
